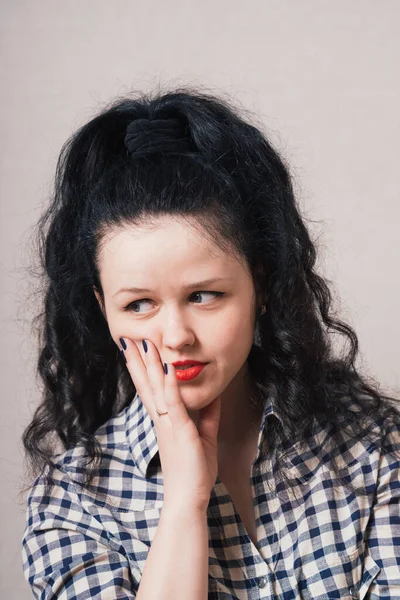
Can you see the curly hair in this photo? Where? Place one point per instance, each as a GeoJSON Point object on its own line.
{"type": "Point", "coordinates": [221, 169]}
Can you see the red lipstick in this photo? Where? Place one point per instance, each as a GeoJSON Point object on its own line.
{"type": "Point", "coordinates": [184, 363]}
{"type": "Point", "coordinates": [194, 368]}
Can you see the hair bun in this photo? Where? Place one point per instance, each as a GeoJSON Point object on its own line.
{"type": "Point", "coordinates": [146, 136]}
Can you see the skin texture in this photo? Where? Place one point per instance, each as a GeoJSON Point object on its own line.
{"type": "Point", "coordinates": [182, 323]}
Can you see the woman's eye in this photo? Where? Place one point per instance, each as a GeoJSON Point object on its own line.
{"type": "Point", "coordinates": [132, 307]}
{"type": "Point", "coordinates": [215, 294]}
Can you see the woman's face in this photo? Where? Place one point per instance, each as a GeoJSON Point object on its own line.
{"type": "Point", "coordinates": [185, 319]}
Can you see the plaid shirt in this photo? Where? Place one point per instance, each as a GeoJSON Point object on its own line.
{"type": "Point", "coordinates": [327, 544]}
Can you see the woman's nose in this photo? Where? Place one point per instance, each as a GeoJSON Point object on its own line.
{"type": "Point", "coordinates": [176, 332]}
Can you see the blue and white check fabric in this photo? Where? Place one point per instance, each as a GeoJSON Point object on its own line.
{"type": "Point", "coordinates": [321, 543]}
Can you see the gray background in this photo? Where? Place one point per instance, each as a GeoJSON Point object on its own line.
{"type": "Point", "coordinates": [322, 76]}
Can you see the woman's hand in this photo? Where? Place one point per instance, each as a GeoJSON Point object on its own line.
{"type": "Point", "coordinates": [188, 454]}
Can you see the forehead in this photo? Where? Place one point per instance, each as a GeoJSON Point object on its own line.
{"type": "Point", "coordinates": [160, 244]}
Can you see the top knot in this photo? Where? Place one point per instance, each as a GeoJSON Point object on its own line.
{"type": "Point", "coordinates": [146, 136]}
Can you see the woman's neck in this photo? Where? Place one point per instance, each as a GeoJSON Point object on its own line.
{"type": "Point", "coordinates": [240, 421]}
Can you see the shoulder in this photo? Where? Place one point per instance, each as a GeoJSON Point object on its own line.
{"type": "Point", "coordinates": [112, 476]}
{"type": "Point", "coordinates": [377, 449]}
{"type": "Point", "coordinates": [389, 455]}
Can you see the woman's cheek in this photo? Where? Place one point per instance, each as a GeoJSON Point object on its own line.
{"type": "Point", "coordinates": [234, 327]}
{"type": "Point", "coordinates": [119, 326]}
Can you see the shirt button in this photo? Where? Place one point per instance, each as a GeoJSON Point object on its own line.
{"type": "Point", "coordinates": [262, 582]}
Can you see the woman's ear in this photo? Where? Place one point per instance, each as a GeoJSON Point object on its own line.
{"type": "Point", "coordinates": [100, 301]}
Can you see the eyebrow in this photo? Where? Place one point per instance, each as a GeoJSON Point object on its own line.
{"type": "Point", "coordinates": [198, 284]}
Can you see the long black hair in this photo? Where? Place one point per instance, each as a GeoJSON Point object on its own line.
{"type": "Point", "coordinates": [188, 153]}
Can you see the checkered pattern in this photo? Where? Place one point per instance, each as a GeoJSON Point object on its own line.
{"type": "Point", "coordinates": [320, 543]}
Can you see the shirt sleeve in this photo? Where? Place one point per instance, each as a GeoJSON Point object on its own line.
{"type": "Point", "coordinates": [67, 554]}
{"type": "Point", "coordinates": [383, 532]}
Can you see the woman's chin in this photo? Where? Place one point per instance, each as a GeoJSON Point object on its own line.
{"type": "Point", "coordinates": [193, 405]}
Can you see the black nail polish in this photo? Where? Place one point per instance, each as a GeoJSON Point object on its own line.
{"type": "Point", "coordinates": [123, 354]}
{"type": "Point", "coordinates": [123, 344]}
{"type": "Point", "coordinates": [144, 345]}
{"type": "Point", "coordinates": [165, 368]}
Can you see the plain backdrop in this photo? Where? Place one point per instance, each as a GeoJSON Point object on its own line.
{"type": "Point", "coordinates": [322, 77]}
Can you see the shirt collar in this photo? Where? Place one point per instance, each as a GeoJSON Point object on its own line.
{"type": "Point", "coordinates": [303, 460]}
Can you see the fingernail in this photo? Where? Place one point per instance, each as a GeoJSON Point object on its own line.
{"type": "Point", "coordinates": [144, 345]}
{"type": "Point", "coordinates": [123, 354]}
{"type": "Point", "coordinates": [123, 344]}
{"type": "Point", "coordinates": [165, 368]}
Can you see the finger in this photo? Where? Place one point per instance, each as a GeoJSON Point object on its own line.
{"type": "Point", "coordinates": [177, 412]}
{"type": "Point", "coordinates": [138, 372]}
{"type": "Point", "coordinates": [156, 374]}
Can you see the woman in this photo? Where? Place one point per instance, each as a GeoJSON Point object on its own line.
{"type": "Point", "coordinates": [213, 444]}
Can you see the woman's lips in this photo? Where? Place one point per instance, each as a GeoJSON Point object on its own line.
{"type": "Point", "coordinates": [187, 374]}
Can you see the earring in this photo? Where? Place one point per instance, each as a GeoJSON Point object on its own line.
{"type": "Point", "coordinates": [263, 309]}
